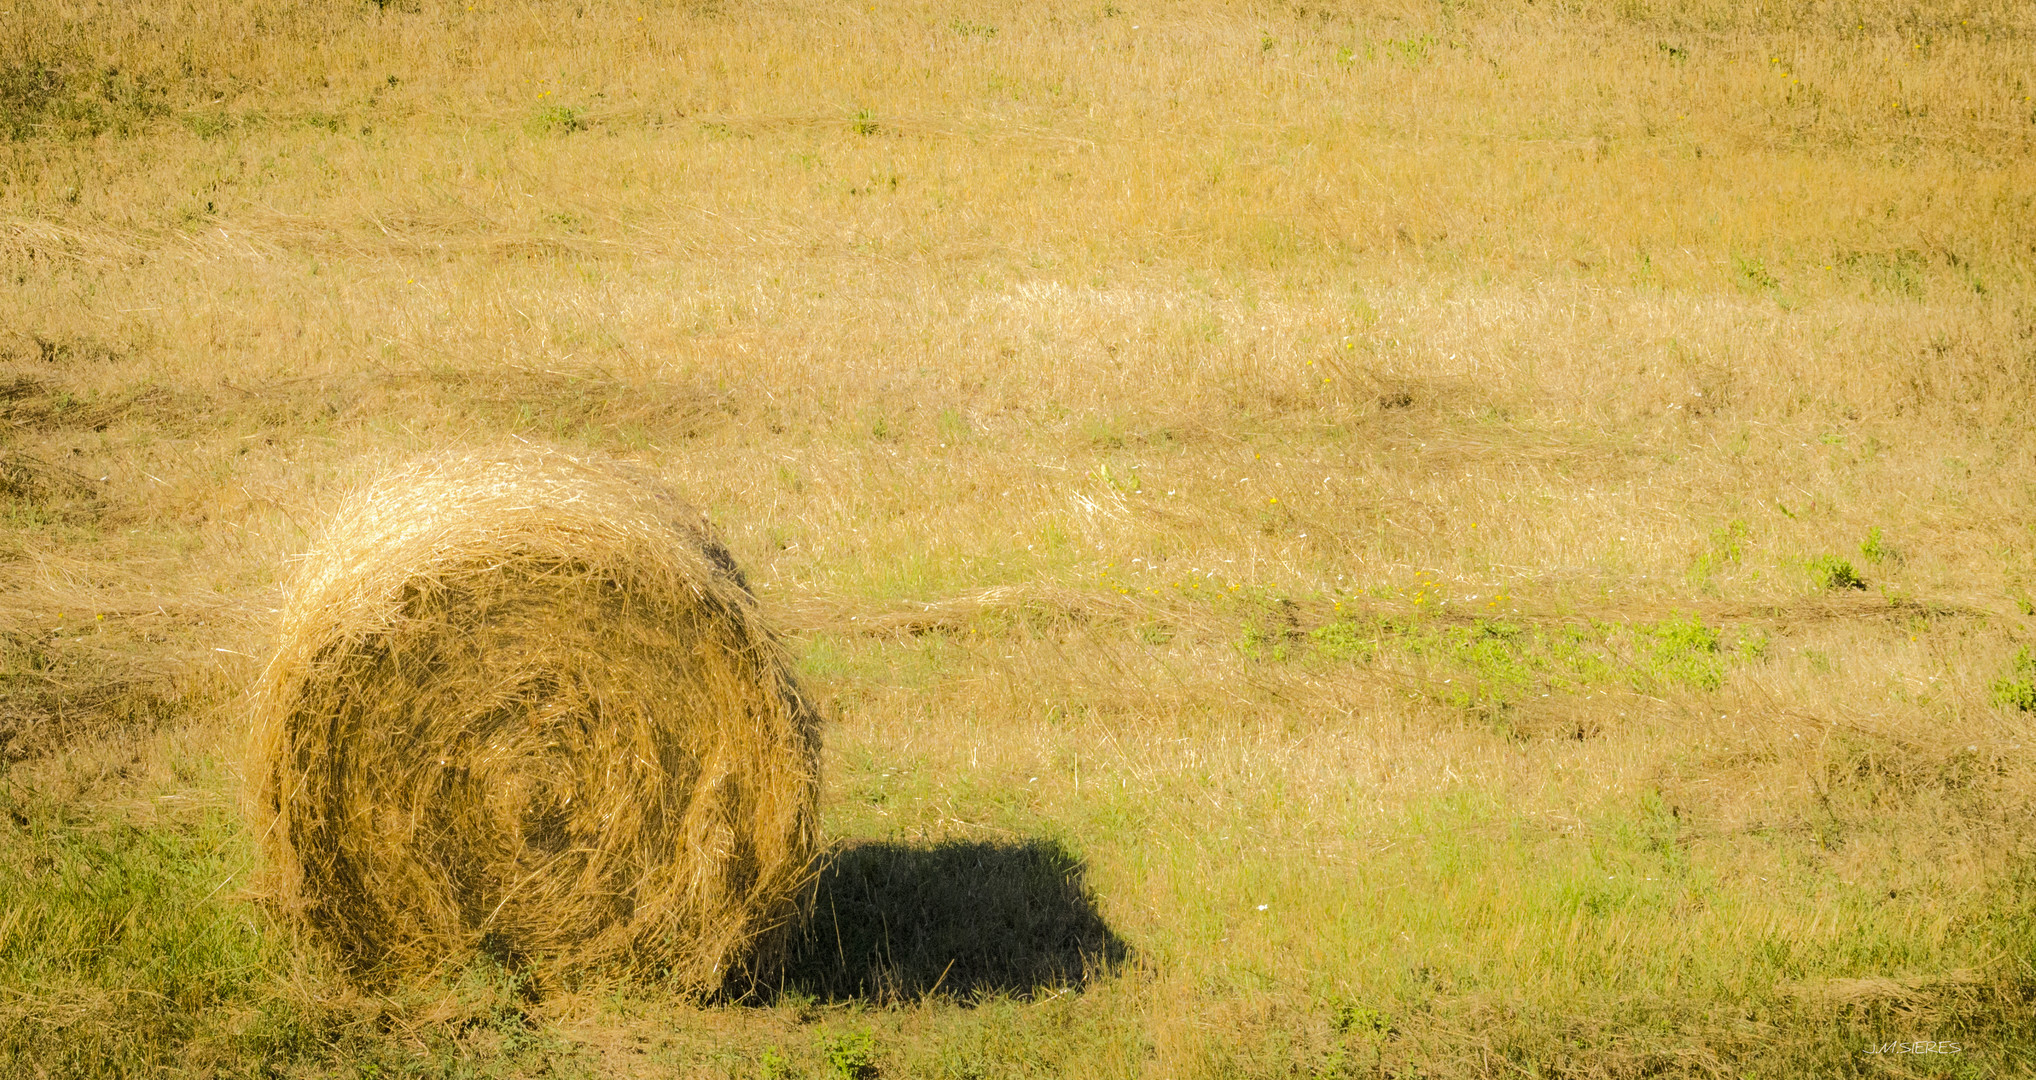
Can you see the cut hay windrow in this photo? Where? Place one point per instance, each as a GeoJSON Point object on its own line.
{"type": "Point", "coordinates": [523, 705]}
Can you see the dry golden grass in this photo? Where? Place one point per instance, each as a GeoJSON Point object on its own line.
{"type": "Point", "coordinates": [1354, 497]}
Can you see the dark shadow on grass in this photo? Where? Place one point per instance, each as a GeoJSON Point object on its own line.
{"type": "Point", "coordinates": [961, 920]}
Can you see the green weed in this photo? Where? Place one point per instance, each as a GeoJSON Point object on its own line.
{"type": "Point", "coordinates": [1680, 652]}
{"type": "Point", "coordinates": [1832, 572]}
{"type": "Point", "coordinates": [1265, 642]}
{"type": "Point", "coordinates": [1726, 547]}
{"type": "Point", "coordinates": [319, 120]}
{"type": "Point", "coordinates": [1345, 639]}
{"type": "Point", "coordinates": [851, 1056]}
{"type": "Point", "coordinates": [1354, 1018]}
{"type": "Point", "coordinates": [1126, 481]}
{"type": "Point", "coordinates": [1413, 49]}
{"type": "Point", "coordinates": [1753, 275]}
{"type": "Point", "coordinates": [2017, 689]}
{"type": "Point", "coordinates": [556, 120]}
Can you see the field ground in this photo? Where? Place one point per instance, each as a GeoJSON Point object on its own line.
{"type": "Point", "coordinates": [1477, 539]}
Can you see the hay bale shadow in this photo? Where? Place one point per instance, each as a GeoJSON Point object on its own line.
{"type": "Point", "coordinates": [960, 920]}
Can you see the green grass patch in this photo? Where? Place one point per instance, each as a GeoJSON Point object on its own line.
{"type": "Point", "coordinates": [129, 947]}
{"type": "Point", "coordinates": [1497, 662]}
{"type": "Point", "coordinates": [1638, 932]}
{"type": "Point", "coordinates": [121, 944]}
{"type": "Point", "coordinates": [59, 94]}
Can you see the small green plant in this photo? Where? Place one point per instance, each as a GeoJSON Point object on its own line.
{"type": "Point", "coordinates": [2017, 689]}
{"type": "Point", "coordinates": [852, 1056]}
{"type": "Point", "coordinates": [556, 120]}
{"type": "Point", "coordinates": [1752, 274]}
{"type": "Point", "coordinates": [1832, 572]}
{"type": "Point", "coordinates": [1876, 550]}
{"type": "Point", "coordinates": [1727, 547]}
{"type": "Point", "coordinates": [1353, 1018]}
{"type": "Point", "coordinates": [1414, 48]}
{"type": "Point", "coordinates": [864, 122]}
{"type": "Point", "coordinates": [774, 1065]}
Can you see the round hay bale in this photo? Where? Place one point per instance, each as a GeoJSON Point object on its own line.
{"type": "Point", "coordinates": [522, 705]}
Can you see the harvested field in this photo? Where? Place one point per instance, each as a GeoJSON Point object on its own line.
{"type": "Point", "coordinates": [1448, 540]}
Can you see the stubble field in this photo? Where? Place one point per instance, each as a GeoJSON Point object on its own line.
{"type": "Point", "coordinates": [1452, 540]}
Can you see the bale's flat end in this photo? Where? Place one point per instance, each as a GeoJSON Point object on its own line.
{"type": "Point", "coordinates": [521, 703]}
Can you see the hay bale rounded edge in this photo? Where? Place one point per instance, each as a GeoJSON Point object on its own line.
{"type": "Point", "coordinates": [522, 704]}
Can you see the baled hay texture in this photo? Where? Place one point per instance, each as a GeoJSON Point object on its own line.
{"type": "Point", "coordinates": [523, 704]}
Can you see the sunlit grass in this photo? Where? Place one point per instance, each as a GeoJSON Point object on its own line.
{"type": "Point", "coordinates": [1474, 539]}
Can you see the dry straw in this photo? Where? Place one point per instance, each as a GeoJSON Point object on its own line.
{"type": "Point", "coordinates": [522, 704]}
